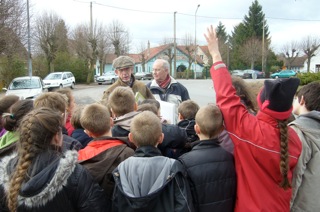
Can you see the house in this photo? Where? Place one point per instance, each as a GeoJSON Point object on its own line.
{"type": "Point", "coordinates": [297, 63]}
{"type": "Point", "coordinates": [144, 60]}
{"type": "Point", "coordinates": [314, 64]}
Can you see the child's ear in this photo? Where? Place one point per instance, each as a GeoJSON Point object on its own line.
{"type": "Point", "coordinates": [180, 116]}
{"type": "Point", "coordinates": [302, 101]}
{"type": "Point", "coordinates": [131, 138]}
{"type": "Point", "coordinates": [197, 129]}
{"type": "Point", "coordinates": [160, 139]}
{"type": "Point", "coordinates": [135, 106]}
{"type": "Point", "coordinates": [111, 122]}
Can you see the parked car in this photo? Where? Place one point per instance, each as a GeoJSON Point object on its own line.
{"type": "Point", "coordinates": [60, 80]}
{"type": "Point", "coordinates": [253, 74]}
{"type": "Point", "coordinates": [26, 87]}
{"type": "Point", "coordinates": [238, 73]}
{"type": "Point", "coordinates": [284, 74]}
{"type": "Point", "coordinates": [108, 78]}
{"type": "Point", "coordinates": [143, 75]}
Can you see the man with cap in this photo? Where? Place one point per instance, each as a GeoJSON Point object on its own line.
{"type": "Point", "coordinates": [266, 150]}
{"type": "Point", "coordinates": [123, 66]}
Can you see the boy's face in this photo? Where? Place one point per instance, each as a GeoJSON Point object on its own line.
{"type": "Point", "coordinates": [296, 106]}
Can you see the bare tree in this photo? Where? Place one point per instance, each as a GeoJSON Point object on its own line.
{"type": "Point", "coordinates": [188, 43]}
{"type": "Point", "coordinates": [50, 35]}
{"type": "Point", "coordinates": [143, 54]}
{"type": "Point", "coordinates": [13, 37]}
{"type": "Point", "coordinates": [309, 46]}
{"type": "Point", "coordinates": [119, 37]}
{"type": "Point", "coordinates": [90, 44]}
{"type": "Point", "coordinates": [251, 51]}
{"type": "Point", "coordinates": [290, 51]}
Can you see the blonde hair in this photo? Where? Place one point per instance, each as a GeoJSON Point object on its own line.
{"type": "Point", "coordinates": [67, 92]}
{"type": "Point", "coordinates": [37, 130]}
{"type": "Point", "coordinates": [188, 109]}
{"type": "Point", "coordinates": [121, 101]}
{"type": "Point", "coordinates": [76, 115]}
{"type": "Point", "coordinates": [55, 101]}
{"type": "Point", "coordinates": [146, 129]}
{"type": "Point", "coordinates": [96, 119]}
{"type": "Point", "coordinates": [209, 119]}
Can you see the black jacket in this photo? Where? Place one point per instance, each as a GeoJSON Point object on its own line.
{"type": "Point", "coordinates": [55, 183]}
{"type": "Point", "coordinates": [212, 176]}
{"type": "Point", "coordinates": [70, 143]}
{"type": "Point", "coordinates": [162, 187]}
{"type": "Point", "coordinates": [81, 136]}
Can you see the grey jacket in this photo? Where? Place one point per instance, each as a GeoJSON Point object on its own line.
{"type": "Point", "coordinates": [306, 176]}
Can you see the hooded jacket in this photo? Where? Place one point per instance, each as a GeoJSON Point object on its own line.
{"type": "Point", "coordinates": [151, 182]}
{"type": "Point", "coordinates": [102, 156]}
{"type": "Point", "coordinates": [256, 149]}
{"type": "Point", "coordinates": [121, 127]}
{"type": "Point", "coordinates": [136, 86]}
{"type": "Point", "coordinates": [55, 183]}
{"type": "Point", "coordinates": [306, 176]}
{"type": "Point", "coordinates": [212, 179]}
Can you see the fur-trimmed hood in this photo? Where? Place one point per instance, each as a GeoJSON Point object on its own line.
{"type": "Point", "coordinates": [48, 176]}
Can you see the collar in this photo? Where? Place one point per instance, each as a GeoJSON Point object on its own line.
{"type": "Point", "coordinates": [267, 118]}
{"type": "Point", "coordinates": [147, 151]}
{"type": "Point", "coordinates": [204, 143]}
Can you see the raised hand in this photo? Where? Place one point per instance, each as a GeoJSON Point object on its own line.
{"type": "Point", "coordinates": [213, 45]}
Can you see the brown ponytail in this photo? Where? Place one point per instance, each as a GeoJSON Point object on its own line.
{"type": "Point", "coordinates": [284, 154]}
{"type": "Point", "coordinates": [36, 132]}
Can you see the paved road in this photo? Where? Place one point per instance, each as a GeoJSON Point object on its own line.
{"type": "Point", "coordinates": [200, 91]}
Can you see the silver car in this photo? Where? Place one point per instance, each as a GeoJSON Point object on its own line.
{"type": "Point", "coordinates": [26, 87]}
{"type": "Point", "coordinates": [108, 78]}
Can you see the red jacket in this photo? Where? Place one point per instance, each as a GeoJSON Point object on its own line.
{"type": "Point", "coordinates": [256, 150]}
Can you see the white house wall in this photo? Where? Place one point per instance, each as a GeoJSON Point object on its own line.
{"type": "Point", "coordinates": [314, 64]}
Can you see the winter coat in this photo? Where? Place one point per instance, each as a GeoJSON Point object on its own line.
{"type": "Point", "coordinates": [55, 183]}
{"type": "Point", "coordinates": [306, 176]}
{"type": "Point", "coordinates": [151, 182]}
{"type": "Point", "coordinates": [8, 143]}
{"type": "Point", "coordinates": [69, 143]}
{"type": "Point", "coordinates": [102, 156]}
{"type": "Point", "coordinates": [136, 86]}
{"type": "Point", "coordinates": [256, 149]}
{"type": "Point", "coordinates": [211, 175]}
{"type": "Point", "coordinates": [188, 126]}
{"type": "Point", "coordinates": [121, 127]}
{"type": "Point", "coordinates": [175, 93]}
{"type": "Point", "coordinates": [81, 136]}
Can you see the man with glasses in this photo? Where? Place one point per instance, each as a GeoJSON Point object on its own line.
{"type": "Point", "coordinates": [123, 68]}
{"type": "Point", "coordinates": [166, 88]}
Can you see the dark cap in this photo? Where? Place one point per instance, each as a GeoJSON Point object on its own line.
{"type": "Point", "coordinates": [123, 62]}
{"type": "Point", "coordinates": [275, 98]}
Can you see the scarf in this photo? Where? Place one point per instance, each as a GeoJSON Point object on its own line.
{"type": "Point", "coordinates": [164, 84]}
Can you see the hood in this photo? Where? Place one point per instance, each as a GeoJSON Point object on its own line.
{"type": "Point", "coordinates": [25, 93]}
{"type": "Point", "coordinates": [125, 120]}
{"type": "Point", "coordinates": [133, 171]}
{"type": "Point", "coordinates": [49, 175]}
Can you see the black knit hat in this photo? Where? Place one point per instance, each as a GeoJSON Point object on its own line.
{"type": "Point", "coordinates": [276, 97]}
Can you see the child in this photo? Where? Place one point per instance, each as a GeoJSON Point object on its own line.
{"type": "Point", "coordinates": [306, 176]}
{"type": "Point", "coordinates": [11, 121]}
{"type": "Point", "coordinates": [187, 111]}
{"type": "Point", "coordinates": [213, 185]}
{"type": "Point", "coordinates": [58, 102]}
{"type": "Point", "coordinates": [148, 181]}
{"type": "Point", "coordinates": [78, 132]}
{"type": "Point", "coordinates": [5, 103]}
{"type": "Point", "coordinates": [70, 108]}
{"type": "Point", "coordinates": [123, 107]}
{"type": "Point", "coordinates": [266, 150]}
{"type": "Point", "coordinates": [39, 177]}
{"type": "Point", "coordinates": [102, 155]}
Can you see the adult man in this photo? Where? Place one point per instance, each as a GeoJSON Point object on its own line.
{"type": "Point", "coordinates": [123, 68]}
{"type": "Point", "coordinates": [166, 88]}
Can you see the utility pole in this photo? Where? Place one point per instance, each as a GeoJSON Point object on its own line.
{"type": "Point", "coordinates": [195, 42]}
{"type": "Point", "coordinates": [174, 47]}
{"type": "Point", "coordinates": [29, 44]}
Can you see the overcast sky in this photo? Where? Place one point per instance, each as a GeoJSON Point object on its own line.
{"type": "Point", "coordinates": [288, 20]}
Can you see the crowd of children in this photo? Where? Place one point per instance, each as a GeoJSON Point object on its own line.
{"type": "Point", "coordinates": [237, 155]}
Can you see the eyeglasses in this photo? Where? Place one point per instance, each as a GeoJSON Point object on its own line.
{"type": "Point", "coordinates": [157, 69]}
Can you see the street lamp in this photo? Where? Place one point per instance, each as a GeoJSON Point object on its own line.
{"type": "Point", "coordinates": [195, 42]}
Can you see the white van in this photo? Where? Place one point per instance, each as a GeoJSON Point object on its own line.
{"type": "Point", "coordinates": [59, 80]}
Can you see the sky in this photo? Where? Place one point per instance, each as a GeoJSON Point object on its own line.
{"type": "Point", "coordinates": [147, 20]}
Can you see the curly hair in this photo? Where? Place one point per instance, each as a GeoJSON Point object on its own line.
{"type": "Point", "coordinates": [37, 130]}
